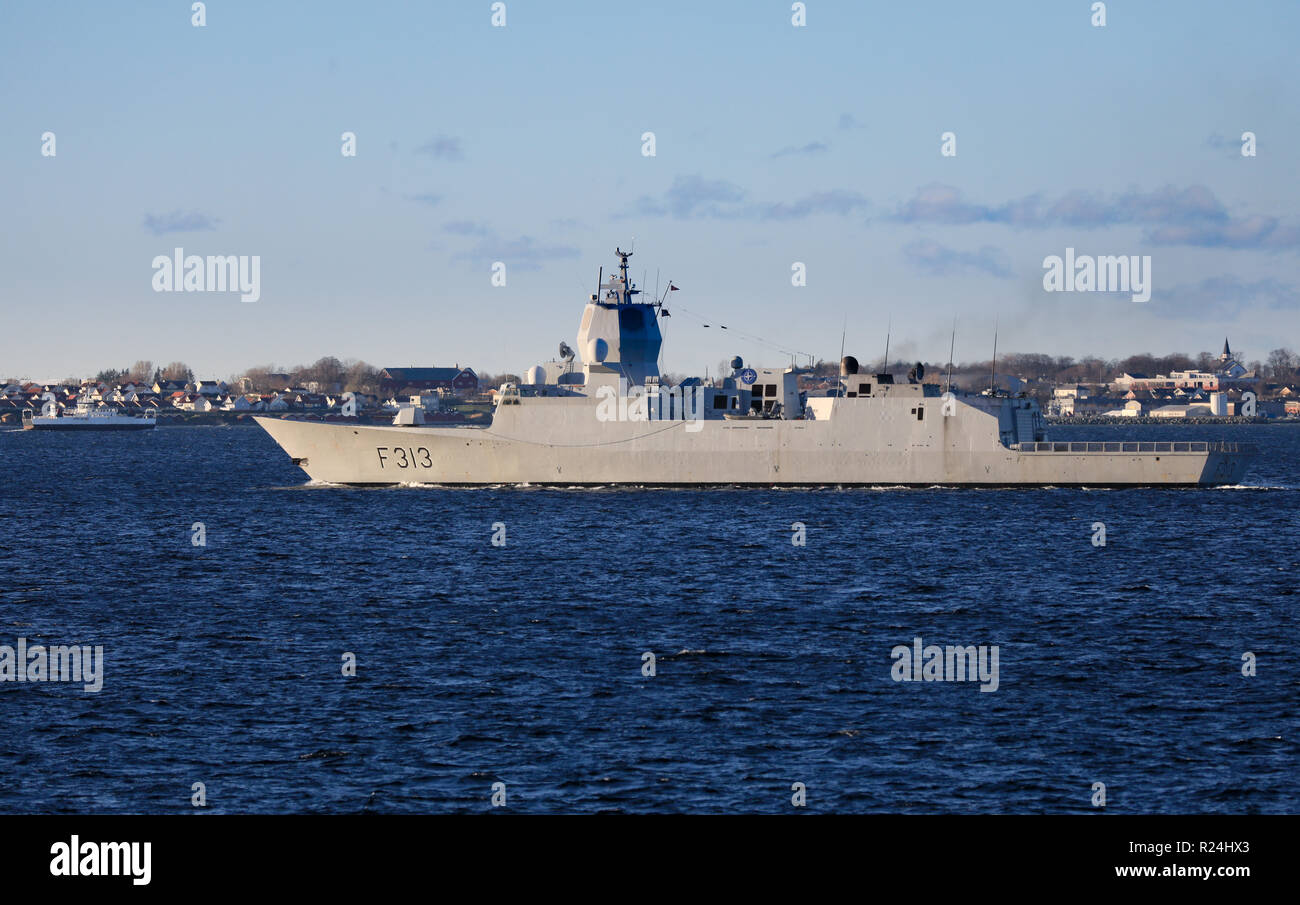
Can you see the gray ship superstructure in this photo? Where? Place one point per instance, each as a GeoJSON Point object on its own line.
{"type": "Point", "coordinates": [608, 420]}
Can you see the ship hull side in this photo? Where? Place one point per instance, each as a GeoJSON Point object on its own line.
{"type": "Point", "coordinates": [773, 453]}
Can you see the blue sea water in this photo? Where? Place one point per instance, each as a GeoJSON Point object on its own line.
{"type": "Point", "coordinates": [522, 664]}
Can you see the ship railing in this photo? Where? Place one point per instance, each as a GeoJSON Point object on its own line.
{"type": "Point", "coordinates": [1143, 446]}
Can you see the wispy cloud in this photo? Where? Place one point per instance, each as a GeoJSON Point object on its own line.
{"type": "Point", "coordinates": [1229, 295]}
{"type": "Point", "coordinates": [1247, 232]}
{"type": "Point", "coordinates": [1227, 145]}
{"type": "Point", "coordinates": [943, 204]}
{"type": "Point", "coordinates": [179, 222]}
{"type": "Point", "coordinates": [694, 197]}
{"type": "Point", "coordinates": [466, 228]}
{"type": "Point", "coordinates": [835, 201]}
{"type": "Point", "coordinates": [443, 147]}
{"type": "Point", "coordinates": [1171, 215]}
{"type": "Point", "coordinates": [939, 260]}
{"type": "Point", "coordinates": [428, 198]}
{"type": "Point", "coordinates": [813, 147]}
{"type": "Point", "coordinates": [522, 253]}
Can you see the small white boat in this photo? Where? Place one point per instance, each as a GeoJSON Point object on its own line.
{"type": "Point", "coordinates": [86, 416]}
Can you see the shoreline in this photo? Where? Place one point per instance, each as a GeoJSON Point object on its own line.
{"type": "Point", "coordinates": [214, 419]}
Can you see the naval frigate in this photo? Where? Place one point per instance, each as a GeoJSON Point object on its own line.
{"type": "Point", "coordinates": [609, 420]}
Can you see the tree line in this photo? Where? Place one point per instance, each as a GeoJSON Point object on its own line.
{"type": "Point", "coordinates": [329, 374]}
{"type": "Point", "coordinates": [333, 375]}
{"type": "Point", "coordinates": [1279, 367]}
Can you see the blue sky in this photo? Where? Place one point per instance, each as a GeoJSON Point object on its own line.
{"type": "Point", "coordinates": [522, 144]}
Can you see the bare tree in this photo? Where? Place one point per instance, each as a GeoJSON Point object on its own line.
{"type": "Point", "coordinates": [360, 377]}
{"type": "Point", "coordinates": [178, 370]}
{"type": "Point", "coordinates": [328, 372]}
{"type": "Point", "coordinates": [141, 371]}
{"type": "Point", "coordinates": [1282, 365]}
{"type": "Point", "coordinates": [259, 378]}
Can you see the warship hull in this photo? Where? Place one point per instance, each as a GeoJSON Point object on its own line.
{"type": "Point", "coordinates": [613, 421]}
{"type": "Point", "coordinates": [761, 453]}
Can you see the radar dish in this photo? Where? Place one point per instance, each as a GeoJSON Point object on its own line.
{"type": "Point", "coordinates": [565, 352]}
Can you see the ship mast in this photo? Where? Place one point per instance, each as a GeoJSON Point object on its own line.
{"type": "Point", "coordinates": [628, 289]}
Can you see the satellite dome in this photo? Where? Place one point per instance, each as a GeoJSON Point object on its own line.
{"type": "Point", "coordinates": [597, 350]}
{"type": "Point", "coordinates": [535, 375]}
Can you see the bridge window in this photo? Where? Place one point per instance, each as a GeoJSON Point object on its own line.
{"type": "Point", "coordinates": [864, 389]}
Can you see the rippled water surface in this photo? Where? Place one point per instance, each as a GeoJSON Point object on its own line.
{"type": "Point", "coordinates": [523, 664]}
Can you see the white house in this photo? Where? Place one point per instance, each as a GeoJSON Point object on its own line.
{"type": "Point", "coordinates": [243, 404]}
{"type": "Point", "coordinates": [210, 387]}
{"type": "Point", "coordinates": [1131, 409]}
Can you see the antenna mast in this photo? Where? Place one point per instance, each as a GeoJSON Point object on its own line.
{"type": "Point", "coordinates": [843, 333]}
{"type": "Point", "coordinates": [888, 332]}
{"type": "Point", "coordinates": [993, 367]}
{"type": "Point", "coordinates": [951, 345]}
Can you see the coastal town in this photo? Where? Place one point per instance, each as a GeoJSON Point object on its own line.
{"type": "Point", "coordinates": [174, 394]}
{"type": "Point", "coordinates": [1208, 387]}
